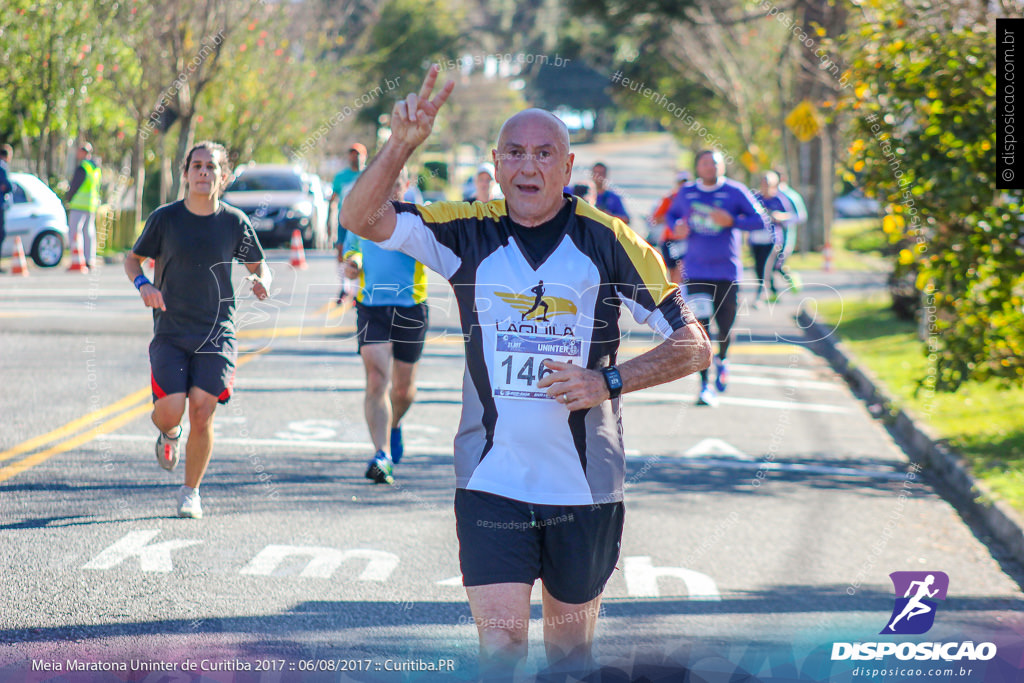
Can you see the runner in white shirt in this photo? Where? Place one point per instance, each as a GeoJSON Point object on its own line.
{"type": "Point", "coordinates": [539, 457]}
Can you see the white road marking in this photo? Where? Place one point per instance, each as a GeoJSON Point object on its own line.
{"type": "Point", "coordinates": [323, 561]}
{"type": "Point", "coordinates": [454, 581]}
{"type": "Point", "coordinates": [712, 463]}
{"type": "Point", "coordinates": [785, 383]}
{"type": "Point", "coordinates": [356, 447]}
{"type": "Point", "coordinates": [309, 430]}
{"type": "Point", "coordinates": [778, 370]}
{"type": "Point", "coordinates": [152, 558]}
{"type": "Point", "coordinates": [642, 580]}
{"type": "Point", "coordinates": [708, 447]}
{"type": "Point", "coordinates": [257, 383]}
{"type": "Point", "coordinates": [666, 397]}
{"type": "Point", "coordinates": [76, 294]}
{"type": "Point", "coordinates": [246, 382]}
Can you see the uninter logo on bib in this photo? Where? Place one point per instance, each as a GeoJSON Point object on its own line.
{"type": "Point", "coordinates": [523, 347]}
{"type": "Point", "coordinates": [917, 594]}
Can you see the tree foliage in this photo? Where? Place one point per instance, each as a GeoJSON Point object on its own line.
{"type": "Point", "coordinates": [924, 99]}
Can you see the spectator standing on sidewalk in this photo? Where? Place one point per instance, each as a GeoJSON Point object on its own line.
{"type": "Point", "coordinates": [391, 328]}
{"type": "Point", "coordinates": [83, 202]}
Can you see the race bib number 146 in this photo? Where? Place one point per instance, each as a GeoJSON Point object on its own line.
{"type": "Point", "coordinates": [518, 362]}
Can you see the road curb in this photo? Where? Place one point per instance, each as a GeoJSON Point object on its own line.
{"type": "Point", "coordinates": [971, 495]}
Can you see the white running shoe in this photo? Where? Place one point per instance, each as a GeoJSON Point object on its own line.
{"type": "Point", "coordinates": [167, 450]}
{"type": "Point", "coordinates": [189, 503]}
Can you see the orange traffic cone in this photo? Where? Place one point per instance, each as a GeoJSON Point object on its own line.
{"type": "Point", "coordinates": [20, 266]}
{"type": "Point", "coordinates": [298, 253]}
{"type": "Point", "coordinates": [77, 262]}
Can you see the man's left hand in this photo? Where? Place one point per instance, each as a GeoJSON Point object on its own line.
{"type": "Point", "coordinates": [574, 387]}
{"type": "Point", "coordinates": [722, 218]}
{"type": "Point", "coordinates": [258, 286]}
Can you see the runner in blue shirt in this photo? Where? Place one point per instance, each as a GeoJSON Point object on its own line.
{"type": "Point", "coordinates": [391, 328]}
{"type": "Point", "coordinates": [709, 214]}
{"type": "Point", "coordinates": [607, 200]}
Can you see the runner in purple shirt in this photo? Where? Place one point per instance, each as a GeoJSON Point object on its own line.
{"type": "Point", "coordinates": [710, 213]}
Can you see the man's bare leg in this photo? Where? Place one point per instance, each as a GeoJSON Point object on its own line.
{"type": "Point", "coordinates": [501, 612]}
{"type": "Point", "coordinates": [569, 633]}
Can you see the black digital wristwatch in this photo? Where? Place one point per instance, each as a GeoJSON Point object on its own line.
{"type": "Point", "coordinates": [614, 381]}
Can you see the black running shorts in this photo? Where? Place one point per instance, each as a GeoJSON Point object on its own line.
{"type": "Point", "coordinates": [404, 326]}
{"type": "Point", "coordinates": [179, 363]}
{"type": "Point", "coordinates": [571, 548]}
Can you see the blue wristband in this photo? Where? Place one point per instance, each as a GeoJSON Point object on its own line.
{"type": "Point", "coordinates": [141, 280]}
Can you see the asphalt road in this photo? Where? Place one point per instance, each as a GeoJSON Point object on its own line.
{"type": "Point", "coordinates": [758, 533]}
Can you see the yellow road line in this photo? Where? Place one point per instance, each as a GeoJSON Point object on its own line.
{"type": "Point", "coordinates": [75, 425]}
{"type": "Point", "coordinates": [331, 309]}
{"type": "Point", "coordinates": [108, 426]}
{"type": "Point", "coordinates": [283, 332]}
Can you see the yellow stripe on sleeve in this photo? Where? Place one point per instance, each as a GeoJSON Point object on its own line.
{"type": "Point", "coordinates": [448, 212]}
{"type": "Point", "coordinates": [646, 260]}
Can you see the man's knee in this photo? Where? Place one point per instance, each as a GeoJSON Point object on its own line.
{"type": "Point", "coordinates": [503, 635]}
{"type": "Point", "coordinates": [376, 382]}
{"type": "Point", "coordinates": [402, 392]}
{"type": "Point", "coordinates": [168, 411]}
{"type": "Point", "coordinates": [201, 410]}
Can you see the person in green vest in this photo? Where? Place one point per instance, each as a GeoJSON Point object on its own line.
{"type": "Point", "coordinates": [84, 194]}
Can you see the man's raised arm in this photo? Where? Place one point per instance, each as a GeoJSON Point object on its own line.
{"type": "Point", "coordinates": [367, 210]}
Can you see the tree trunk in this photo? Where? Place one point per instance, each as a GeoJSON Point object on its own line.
{"type": "Point", "coordinates": [165, 170]}
{"type": "Point", "coordinates": [139, 166]}
{"type": "Point", "coordinates": [186, 136]}
{"type": "Point", "coordinates": [817, 161]}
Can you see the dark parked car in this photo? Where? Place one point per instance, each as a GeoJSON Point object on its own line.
{"type": "Point", "coordinates": [278, 201]}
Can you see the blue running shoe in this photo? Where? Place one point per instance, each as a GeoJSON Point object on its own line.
{"type": "Point", "coordinates": [707, 397]}
{"type": "Point", "coordinates": [379, 469]}
{"type": "Point", "coordinates": [397, 446]}
{"type": "Point", "coordinates": [721, 375]}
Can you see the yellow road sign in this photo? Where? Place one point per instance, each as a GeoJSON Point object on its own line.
{"type": "Point", "coordinates": [804, 121]}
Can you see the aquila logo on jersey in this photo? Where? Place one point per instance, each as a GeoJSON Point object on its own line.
{"type": "Point", "coordinates": [537, 306]}
{"type": "Point", "coordinates": [914, 612]}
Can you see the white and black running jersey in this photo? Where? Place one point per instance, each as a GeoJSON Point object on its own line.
{"type": "Point", "coordinates": [516, 311]}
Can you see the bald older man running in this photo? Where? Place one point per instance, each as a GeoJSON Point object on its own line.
{"type": "Point", "coordinates": [539, 458]}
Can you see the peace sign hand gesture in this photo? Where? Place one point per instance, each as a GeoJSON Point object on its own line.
{"type": "Point", "coordinates": [412, 119]}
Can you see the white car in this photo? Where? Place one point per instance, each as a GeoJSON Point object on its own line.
{"type": "Point", "coordinates": [36, 215]}
{"type": "Point", "coordinates": [855, 204]}
{"type": "Point", "coordinates": [279, 200]}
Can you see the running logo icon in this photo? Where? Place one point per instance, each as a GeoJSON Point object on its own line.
{"type": "Point", "coordinates": [537, 305]}
{"type": "Point", "coordinates": [914, 612]}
